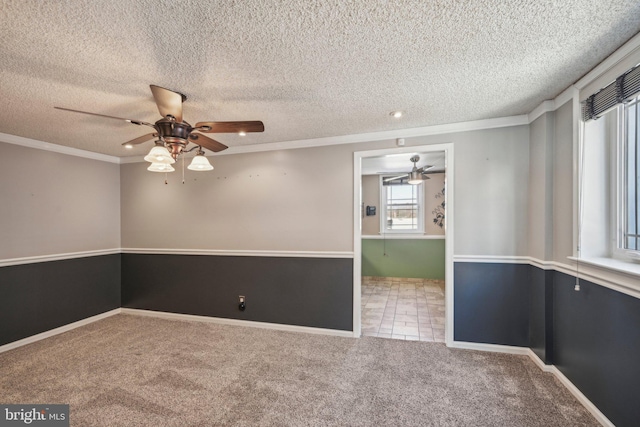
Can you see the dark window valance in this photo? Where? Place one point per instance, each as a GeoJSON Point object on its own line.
{"type": "Point", "coordinates": [625, 87]}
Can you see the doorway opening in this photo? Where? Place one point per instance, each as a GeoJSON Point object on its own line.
{"type": "Point", "coordinates": [403, 243]}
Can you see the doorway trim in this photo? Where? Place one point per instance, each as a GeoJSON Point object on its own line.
{"type": "Point", "coordinates": [449, 236]}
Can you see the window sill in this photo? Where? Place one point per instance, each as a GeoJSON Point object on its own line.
{"type": "Point", "coordinates": [611, 264]}
{"type": "Point", "coordinates": [609, 272]}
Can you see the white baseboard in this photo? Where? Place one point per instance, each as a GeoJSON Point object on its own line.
{"type": "Point", "coordinates": [57, 331]}
{"type": "Point", "coordinates": [543, 366]}
{"type": "Point", "coordinates": [599, 416]}
{"type": "Point", "coordinates": [589, 406]}
{"type": "Point", "coordinates": [237, 322]}
{"type": "Point", "coordinates": [495, 348]}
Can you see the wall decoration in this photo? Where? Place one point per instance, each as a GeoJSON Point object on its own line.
{"type": "Point", "coordinates": [438, 212]}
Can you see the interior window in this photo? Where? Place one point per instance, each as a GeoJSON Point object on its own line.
{"type": "Point", "coordinates": [402, 207]}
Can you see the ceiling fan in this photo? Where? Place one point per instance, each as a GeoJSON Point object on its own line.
{"type": "Point", "coordinates": [416, 176]}
{"type": "Point", "coordinates": [174, 134]}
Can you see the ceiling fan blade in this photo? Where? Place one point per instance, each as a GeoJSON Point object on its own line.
{"type": "Point", "coordinates": [206, 142]}
{"type": "Point", "coordinates": [141, 139]}
{"type": "Point", "coordinates": [135, 122]}
{"type": "Point", "coordinates": [396, 177]}
{"type": "Point", "coordinates": [230, 127]}
{"type": "Point", "coordinates": [432, 171]}
{"type": "Point", "coordinates": [425, 168]}
{"type": "Point", "coordinates": [168, 102]}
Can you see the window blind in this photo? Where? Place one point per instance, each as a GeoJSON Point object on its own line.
{"type": "Point", "coordinates": [626, 86]}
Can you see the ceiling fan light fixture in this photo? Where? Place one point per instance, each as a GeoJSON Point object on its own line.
{"type": "Point", "coordinates": [173, 134]}
{"type": "Point", "coordinates": [160, 167]}
{"type": "Point", "coordinates": [415, 178]}
{"type": "Point", "coordinates": [159, 154]}
{"type": "Point", "coordinates": [200, 163]}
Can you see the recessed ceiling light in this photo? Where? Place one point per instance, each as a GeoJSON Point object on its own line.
{"type": "Point", "coordinates": [242, 133]}
{"type": "Point", "coordinates": [128, 146]}
{"type": "Point", "coordinates": [396, 114]}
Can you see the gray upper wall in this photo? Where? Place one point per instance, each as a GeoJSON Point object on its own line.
{"type": "Point", "coordinates": [287, 200]}
{"type": "Point", "coordinates": [291, 200]}
{"type": "Point", "coordinates": [550, 221]}
{"type": "Point", "coordinates": [302, 199]}
{"type": "Point", "coordinates": [563, 184]}
{"type": "Point", "coordinates": [491, 191]}
{"type": "Point", "coordinates": [541, 146]}
{"type": "Point", "coordinates": [55, 203]}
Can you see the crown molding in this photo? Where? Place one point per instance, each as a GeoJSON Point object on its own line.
{"type": "Point", "coordinates": [567, 95]}
{"type": "Point", "coordinates": [136, 159]}
{"type": "Point", "coordinates": [449, 128]}
{"type": "Point", "coordinates": [47, 146]}
{"type": "Point", "coordinates": [553, 104]}
{"type": "Point", "coordinates": [625, 50]}
{"type": "Point", "coordinates": [544, 107]}
{"type": "Point", "coordinates": [385, 135]}
{"type": "Point", "coordinates": [499, 122]}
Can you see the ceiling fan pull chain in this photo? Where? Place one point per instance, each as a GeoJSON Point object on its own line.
{"type": "Point", "coordinates": [183, 169]}
{"type": "Point", "coordinates": [166, 180]}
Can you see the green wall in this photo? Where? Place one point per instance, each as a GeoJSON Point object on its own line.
{"type": "Point", "coordinates": [419, 258]}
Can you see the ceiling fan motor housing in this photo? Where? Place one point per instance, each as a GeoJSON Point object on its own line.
{"type": "Point", "coordinates": [176, 135]}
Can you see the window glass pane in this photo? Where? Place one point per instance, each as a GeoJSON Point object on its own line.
{"type": "Point", "coordinates": [631, 175]}
{"type": "Point", "coordinates": [631, 184]}
{"type": "Point", "coordinates": [402, 207]}
{"type": "Point", "coordinates": [636, 178]}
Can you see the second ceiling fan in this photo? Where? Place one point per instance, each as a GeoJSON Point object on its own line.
{"type": "Point", "coordinates": [416, 176]}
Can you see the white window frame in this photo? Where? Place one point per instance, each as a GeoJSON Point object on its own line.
{"type": "Point", "coordinates": [619, 251]}
{"type": "Point", "coordinates": [383, 209]}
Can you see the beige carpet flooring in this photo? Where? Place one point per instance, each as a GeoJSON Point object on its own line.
{"type": "Point", "coordinates": [138, 371]}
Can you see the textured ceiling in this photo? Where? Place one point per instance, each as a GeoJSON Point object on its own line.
{"type": "Point", "coordinates": [307, 69]}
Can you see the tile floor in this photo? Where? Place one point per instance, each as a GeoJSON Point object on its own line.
{"type": "Point", "coordinates": [400, 308]}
